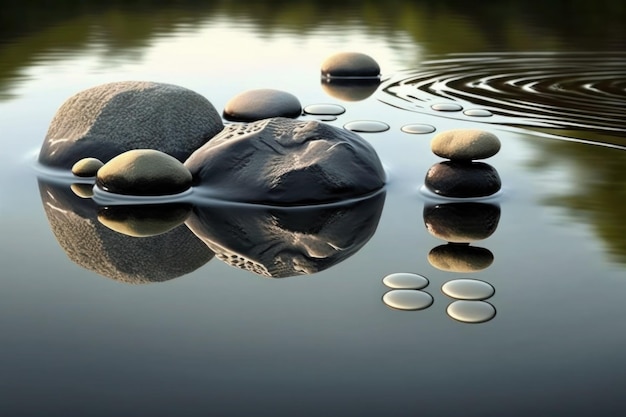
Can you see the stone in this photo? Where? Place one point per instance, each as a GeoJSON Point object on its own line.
{"type": "Point", "coordinates": [109, 119]}
{"type": "Point", "coordinates": [261, 104]}
{"type": "Point", "coordinates": [465, 144]}
{"type": "Point", "coordinates": [350, 64]}
{"type": "Point", "coordinates": [87, 167]}
{"type": "Point", "coordinates": [463, 179]}
{"type": "Point", "coordinates": [144, 172]}
{"type": "Point", "coordinates": [286, 162]}
{"type": "Point", "coordinates": [462, 222]}
{"type": "Point", "coordinates": [455, 257]}
{"type": "Point", "coordinates": [95, 247]}
{"type": "Point", "coordinates": [281, 242]}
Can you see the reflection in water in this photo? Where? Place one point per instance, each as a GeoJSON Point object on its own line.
{"type": "Point", "coordinates": [460, 257]}
{"type": "Point", "coordinates": [350, 89]}
{"type": "Point", "coordinates": [286, 241]}
{"type": "Point", "coordinates": [144, 220]}
{"type": "Point", "coordinates": [463, 222]}
{"type": "Point", "coordinates": [583, 93]}
{"type": "Point", "coordinates": [77, 225]}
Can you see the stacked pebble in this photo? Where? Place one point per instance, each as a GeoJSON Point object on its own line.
{"type": "Point", "coordinates": [460, 176]}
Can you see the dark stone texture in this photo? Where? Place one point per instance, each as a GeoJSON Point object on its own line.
{"type": "Point", "coordinates": [462, 222]}
{"type": "Point", "coordinates": [253, 105]}
{"type": "Point", "coordinates": [287, 241]}
{"type": "Point", "coordinates": [455, 257]}
{"type": "Point", "coordinates": [109, 119]}
{"type": "Point", "coordinates": [463, 179]}
{"type": "Point", "coordinates": [286, 162]}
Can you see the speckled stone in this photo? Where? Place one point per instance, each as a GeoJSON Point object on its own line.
{"type": "Point", "coordinates": [465, 144]}
{"type": "Point", "coordinates": [261, 104]}
{"type": "Point", "coordinates": [286, 162]}
{"type": "Point", "coordinates": [87, 167]}
{"type": "Point", "coordinates": [463, 179]}
{"type": "Point", "coordinates": [109, 119]}
{"type": "Point", "coordinates": [350, 64]}
{"type": "Point", "coordinates": [144, 172]}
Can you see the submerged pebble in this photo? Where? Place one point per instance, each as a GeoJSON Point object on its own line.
{"type": "Point", "coordinates": [410, 300]}
{"type": "Point", "coordinates": [366, 126]}
{"type": "Point", "coordinates": [405, 280]}
{"type": "Point", "coordinates": [87, 167]}
{"type": "Point", "coordinates": [325, 109]}
{"type": "Point", "coordinates": [418, 128]}
{"type": "Point", "coordinates": [260, 104]}
{"type": "Point", "coordinates": [465, 144]}
{"type": "Point", "coordinates": [144, 172]}
{"type": "Point", "coordinates": [447, 107]}
{"type": "Point", "coordinates": [471, 311]}
{"type": "Point", "coordinates": [468, 289]}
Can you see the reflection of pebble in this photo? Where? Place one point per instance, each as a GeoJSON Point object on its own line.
{"type": "Point", "coordinates": [260, 104]}
{"type": "Point", "coordinates": [409, 300]}
{"type": "Point", "coordinates": [367, 126]}
{"type": "Point", "coordinates": [465, 144]}
{"type": "Point", "coordinates": [462, 222]}
{"type": "Point", "coordinates": [463, 179]}
{"type": "Point", "coordinates": [405, 280]}
{"type": "Point", "coordinates": [460, 258]}
{"type": "Point", "coordinates": [87, 167]}
{"type": "Point", "coordinates": [471, 311]}
{"type": "Point", "coordinates": [468, 289]}
{"type": "Point", "coordinates": [82, 190]}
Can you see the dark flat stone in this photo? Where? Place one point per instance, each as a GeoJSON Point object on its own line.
{"type": "Point", "coordinates": [463, 179]}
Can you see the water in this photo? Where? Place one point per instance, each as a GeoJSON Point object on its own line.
{"type": "Point", "coordinates": [187, 320]}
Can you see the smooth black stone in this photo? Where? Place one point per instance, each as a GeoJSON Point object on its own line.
{"type": "Point", "coordinates": [462, 222]}
{"type": "Point", "coordinates": [463, 179]}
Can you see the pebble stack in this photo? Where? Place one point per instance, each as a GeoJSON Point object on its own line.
{"type": "Point", "coordinates": [460, 176]}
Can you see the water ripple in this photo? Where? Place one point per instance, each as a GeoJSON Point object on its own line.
{"type": "Point", "coordinates": [581, 95]}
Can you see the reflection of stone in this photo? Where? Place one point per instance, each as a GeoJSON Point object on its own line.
{"type": "Point", "coordinates": [260, 104]}
{"type": "Point", "coordinates": [282, 242]}
{"type": "Point", "coordinates": [286, 162]}
{"type": "Point", "coordinates": [350, 89]}
{"type": "Point", "coordinates": [144, 172]}
{"type": "Point", "coordinates": [462, 222]}
{"type": "Point", "coordinates": [144, 220]}
{"type": "Point", "coordinates": [455, 257]}
{"type": "Point", "coordinates": [93, 246]}
{"type": "Point", "coordinates": [463, 179]}
{"type": "Point", "coordinates": [109, 119]}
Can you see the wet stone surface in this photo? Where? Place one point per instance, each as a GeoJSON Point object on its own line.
{"type": "Point", "coordinates": [260, 104]}
{"type": "Point", "coordinates": [463, 179]}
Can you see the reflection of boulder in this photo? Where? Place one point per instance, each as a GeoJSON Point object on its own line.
{"type": "Point", "coordinates": [282, 242]}
{"type": "Point", "coordinates": [356, 89]}
{"type": "Point", "coordinates": [458, 257]}
{"type": "Point", "coordinates": [144, 220]}
{"type": "Point", "coordinates": [109, 119]}
{"type": "Point", "coordinates": [462, 222]}
{"type": "Point", "coordinates": [286, 162]}
{"type": "Point", "coordinates": [95, 247]}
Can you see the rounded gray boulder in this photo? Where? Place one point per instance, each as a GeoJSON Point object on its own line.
{"type": "Point", "coordinates": [286, 162]}
{"type": "Point", "coordinates": [350, 64]}
{"type": "Point", "coordinates": [109, 119]}
{"type": "Point", "coordinates": [144, 172]}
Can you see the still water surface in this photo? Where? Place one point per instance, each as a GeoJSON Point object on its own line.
{"type": "Point", "coordinates": [86, 333]}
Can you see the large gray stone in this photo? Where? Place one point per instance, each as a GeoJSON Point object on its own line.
{"type": "Point", "coordinates": [286, 241]}
{"type": "Point", "coordinates": [144, 172]}
{"type": "Point", "coordinates": [109, 119]}
{"type": "Point", "coordinates": [90, 244]}
{"type": "Point", "coordinates": [286, 162]}
{"type": "Point", "coordinates": [350, 64]}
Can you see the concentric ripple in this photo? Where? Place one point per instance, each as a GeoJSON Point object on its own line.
{"type": "Point", "coordinates": [580, 95]}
